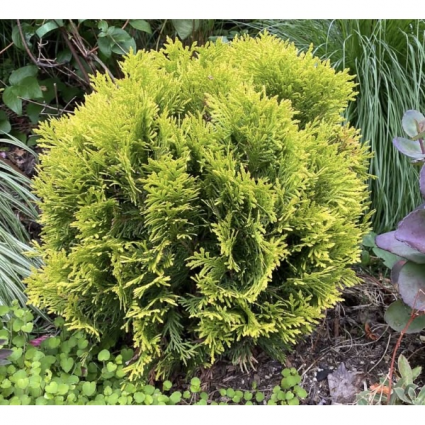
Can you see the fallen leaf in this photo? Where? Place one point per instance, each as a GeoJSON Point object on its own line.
{"type": "Point", "coordinates": [37, 341]}
{"type": "Point", "coordinates": [343, 385]}
{"type": "Point", "coordinates": [379, 388]}
{"type": "Point", "coordinates": [369, 333]}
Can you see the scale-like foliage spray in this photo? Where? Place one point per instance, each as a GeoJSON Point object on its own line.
{"type": "Point", "coordinates": [208, 202]}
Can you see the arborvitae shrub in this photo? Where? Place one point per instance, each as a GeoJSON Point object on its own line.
{"type": "Point", "coordinates": [209, 202]}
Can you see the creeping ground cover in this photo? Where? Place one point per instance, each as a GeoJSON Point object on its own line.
{"type": "Point", "coordinates": [207, 203]}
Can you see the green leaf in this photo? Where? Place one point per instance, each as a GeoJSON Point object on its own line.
{"type": "Point", "coordinates": [4, 126]}
{"type": "Point", "coordinates": [64, 56]}
{"type": "Point", "coordinates": [141, 25]}
{"type": "Point", "coordinates": [111, 367]}
{"type": "Point", "coordinates": [89, 388]}
{"type": "Point", "coordinates": [167, 385]}
{"type": "Point", "coordinates": [388, 258]}
{"type": "Point", "coordinates": [398, 315]}
{"type": "Point", "coordinates": [17, 324]}
{"type": "Point", "coordinates": [28, 32]}
{"type": "Point", "coordinates": [416, 372]}
{"type": "Point", "coordinates": [148, 400]}
{"type": "Point", "coordinates": [421, 397]}
{"type": "Point", "coordinates": [259, 397]}
{"type": "Point", "coordinates": [11, 99]}
{"type": "Point", "coordinates": [46, 28]}
{"type": "Point", "coordinates": [29, 88]}
{"type": "Point", "coordinates": [112, 399]}
{"type": "Point", "coordinates": [230, 392]}
{"type": "Point", "coordinates": [103, 25]}
{"type": "Point", "coordinates": [67, 364]}
{"type": "Point", "coordinates": [107, 390]}
{"type": "Point", "coordinates": [19, 340]}
{"type": "Point", "coordinates": [286, 372]}
{"type": "Point", "coordinates": [369, 240]}
{"type": "Point", "coordinates": [127, 354]}
{"type": "Point", "coordinates": [4, 309]}
{"type": "Point", "coordinates": [63, 389]}
{"type": "Point", "coordinates": [301, 392]}
{"type": "Point", "coordinates": [104, 356]}
{"type": "Point", "coordinates": [185, 27]}
{"type": "Point", "coordinates": [289, 395]}
{"type": "Point", "coordinates": [122, 41]}
{"type": "Point", "coordinates": [22, 383]}
{"type": "Point", "coordinates": [52, 388]}
{"type": "Point", "coordinates": [405, 369]}
{"type": "Point", "coordinates": [176, 397]}
{"type": "Point", "coordinates": [82, 343]}
{"type": "Point", "coordinates": [59, 322]}
{"type": "Point", "coordinates": [163, 398]}
{"type": "Point", "coordinates": [16, 77]}
{"type": "Point", "coordinates": [41, 401]}
{"type": "Point", "coordinates": [122, 400]}
{"type": "Point", "coordinates": [5, 384]}
{"type": "Point", "coordinates": [53, 342]}
{"type": "Point", "coordinates": [120, 372]}
{"type": "Point", "coordinates": [105, 46]}
{"type": "Point", "coordinates": [149, 389]}
{"type": "Point", "coordinates": [236, 399]}
{"type": "Point", "coordinates": [27, 328]}
{"type": "Point", "coordinates": [195, 381]}
{"type": "Point", "coordinates": [411, 284]}
{"type": "Point", "coordinates": [139, 397]}
{"type": "Point", "coordinates": [247, 396]}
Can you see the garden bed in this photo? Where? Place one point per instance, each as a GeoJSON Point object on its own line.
{"type": "Point", "coordinates": [342, 338]}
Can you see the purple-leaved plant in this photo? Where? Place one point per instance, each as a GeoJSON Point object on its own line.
{"type": "Point", "coordinates": [408, 240]}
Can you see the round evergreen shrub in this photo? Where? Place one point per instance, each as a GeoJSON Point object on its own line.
{"type": "Point", "coordinates": [208, 202]}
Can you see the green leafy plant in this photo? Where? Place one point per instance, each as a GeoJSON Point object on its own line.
{"type": "Point", "coordinates": [17, 205]}
{"type": "Point", "coordinates": [405, 391]}
{"type": "Point", "coordinates": [387, 57]}
{"type": "Point", "coordinates": [289, 392]}
{"type": "Point", "coordinates": [46, 64]}
{"type": "Point", "coordinates": [208, 202]}
{"type": "Point", "coordinates": [65, 368]}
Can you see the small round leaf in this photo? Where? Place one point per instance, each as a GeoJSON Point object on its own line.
{"type": "Point", "coordinates": [104, 356]}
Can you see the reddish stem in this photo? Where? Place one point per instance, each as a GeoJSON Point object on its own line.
{"type": "Point", "coordinates": [413, 316]}
{"type": "Point", "coordinates": [421, 143]}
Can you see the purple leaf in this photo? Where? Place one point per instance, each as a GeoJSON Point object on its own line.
{"type": "Point", "coordinates": [411, 285]}
{"type": "Point", "coordinates": [413, 123]}
{"type": "Point", "coordinates": [389, 242]}
{"type": "Point", "coordinates": [410, 148]}
{"type": "Point", "coordinates": [422, 181]}
{"type": "Point", "coordinates": [5, 353]}
{"type": "Point", "coordinates": [395, 271]}
{"type": "Point", "coordinates": [411, 230]}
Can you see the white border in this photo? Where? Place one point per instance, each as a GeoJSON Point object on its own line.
{"type": "Point", "coordinates": [212, 9]}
